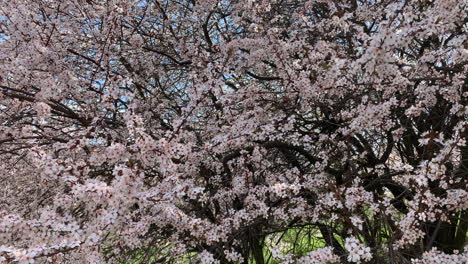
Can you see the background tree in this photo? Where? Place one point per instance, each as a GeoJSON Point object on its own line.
{"type": "Point", "coordinates": [159, 131]}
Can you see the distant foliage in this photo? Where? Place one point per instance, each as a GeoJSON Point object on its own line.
{"type": "Point", "coordinates": [200, 131]}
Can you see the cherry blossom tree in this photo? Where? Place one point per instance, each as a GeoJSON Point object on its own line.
{"type": "Point", "coordinates": [162, 131]}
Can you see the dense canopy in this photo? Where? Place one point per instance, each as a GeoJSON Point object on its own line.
{"type": "Point", "coordinates": [233, 131]}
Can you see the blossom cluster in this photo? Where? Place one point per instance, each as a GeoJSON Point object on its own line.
{"type": "Point", "coordinates": [233, 131]}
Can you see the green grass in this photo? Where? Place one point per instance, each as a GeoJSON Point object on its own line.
{"type": "Point", "coordinates": [295, 241]}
